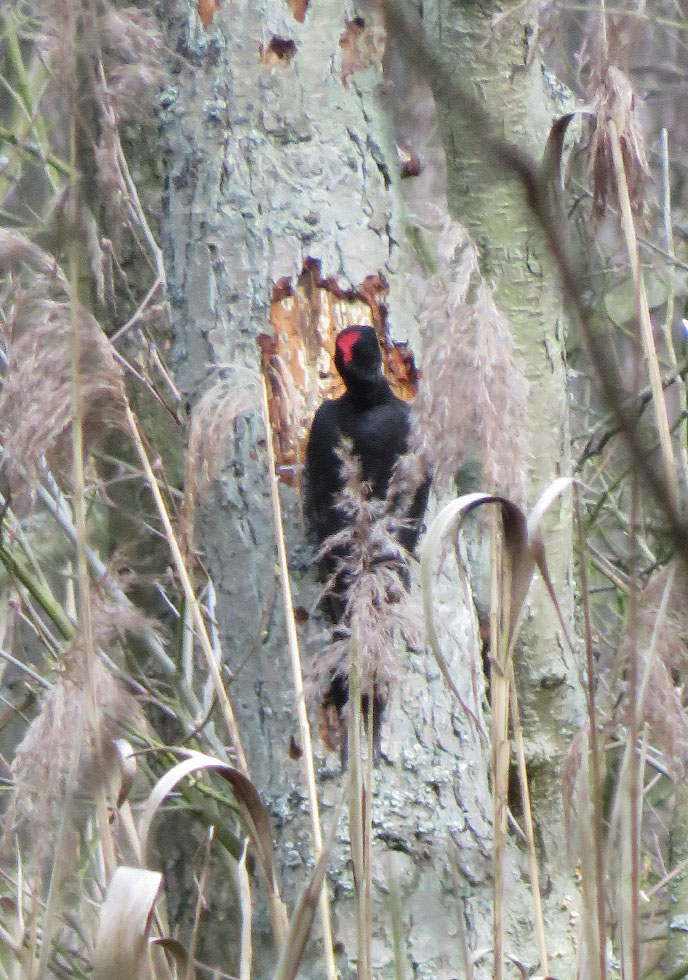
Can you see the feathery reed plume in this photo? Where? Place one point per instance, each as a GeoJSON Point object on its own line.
{"type": "Point", "coordinates": [372, 571]}
{"type": "Point", "coordinates": [473, 392]}
{"type": "Point", "coordinates": [661, 644]}
{"type": "Point", "coordinates": [36, 395]}
{"type": "Point", "coordinates": [114, 52]}
{"type": "Point", "coordinates": [44, 759]}
{"type": "Point", "coordinates": [106, 57]}
{"type": "Point", "coordinates": [211, 422]}
{"type": "Point", "coordinates": [659, 640]}
{"type": "Point", "coordinates": [614, 104]}
{"type": "Point", "coordinates": [131, 51]}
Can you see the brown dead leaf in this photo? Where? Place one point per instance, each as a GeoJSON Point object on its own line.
{"type": "Point", "coordinates": [207, 10]}
{"type": "Point", "coordinates": [363, 45]}
{"type": "Point", "coordinates": [298, 9]}
{"type": "Point", "coordinates": [410, 165]}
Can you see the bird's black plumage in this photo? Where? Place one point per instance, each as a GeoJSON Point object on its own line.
{"type": "Point", "coordinates": [377, 424]}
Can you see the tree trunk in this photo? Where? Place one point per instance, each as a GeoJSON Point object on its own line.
{"type": "Point", "coordinates": [281, 175]}
{"type": "Point", "coordinates": [496, 60]}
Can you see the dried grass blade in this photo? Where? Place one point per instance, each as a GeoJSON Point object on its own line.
{"type": "Point", "coordinates": [177, 953]}
{"type": "Point", "coordinates": [244, 888]}
{"type": "Point", "coordinates": [201, 901]}
{"type": "Point", "coordinates": [189, 593]}
{"type": "Point", "coordinates": [254, 815]}
{"type": "Point", "coordinates": [356, 807]}
{"type": "Point", "coordinates": [586, 831]}
{"type": "Point", "coordinates": [297, 679]}
{"type": "Point", "coordinates": [533, 868]}
{"type": "Point", "coordinates": [598, 951]}
{"type": "Point", "coordinates": [512, 571]}
{"type": "Point", "coordinates": [536, 544]}
{"type": "Point", "coordinates": [450, 520]}
{"type": "Point", "coordinates": [125, 919]}
{"type": "Point", "coordinates": [243, 789]}
{"type": "Point", "coordinates": [500, 681]}
{"type": "Point", "coordinates": [643, 313]}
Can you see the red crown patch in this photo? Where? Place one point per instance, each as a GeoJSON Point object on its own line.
{"type": "Point", "coordinates": [346, 343]}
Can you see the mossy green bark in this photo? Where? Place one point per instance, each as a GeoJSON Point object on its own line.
{"type": "Point", "coordinates": [493, 55]}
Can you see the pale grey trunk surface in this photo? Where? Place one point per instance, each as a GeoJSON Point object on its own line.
{"type": "Point", "coordinates": [266, 166]}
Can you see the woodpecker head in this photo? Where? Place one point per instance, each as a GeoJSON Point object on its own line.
{"type": "Point", "coordinates": [358, 357]}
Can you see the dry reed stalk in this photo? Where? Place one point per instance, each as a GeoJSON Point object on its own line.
{"type": "Point", "coordinates": [499, 735]}
{"type": "Point", "coordinates": [643, 313]}
{"type": "Point", "coordinates": [631, 839]}
{"type": "Point", "coordinates": [245, 944]}
{"type": "Point", "coordinates": [62, 843]}
{"type": "Point", "coordinates": [533, 868]}
{"type": "Point", "coordinates": [104, 827]}
{"type": "Point", "coordinates": [368, 837]}
{"type": "Point", "coordinates": [356, 809]}
{"type": "Point", "coordinates": [190, 595]}
{"type": "Point", "coordinates": [297, 679]}
{"type": "Point", "coordinates": [597, 835]}
{"type": "Point", "coordinates": [201, 902]}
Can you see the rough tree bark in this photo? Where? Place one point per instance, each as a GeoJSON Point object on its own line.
{"type": "Point", "coordinates": [506, 76]}
{"type": "Point", "coordinates": [276, 152]}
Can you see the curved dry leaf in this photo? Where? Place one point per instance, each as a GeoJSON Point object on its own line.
{"type": "Point", "coordinates": [524, 547]}
{"type": "Point", "coordinates": [179, 954]}
{"type": "Point", "coordinates": [537, 547]}
{"type": "Point", "coordinates": [550, 175]}
{"type": "Point", "coordinates": [125, 918]}
{"type": "Point", "coordinates": [542, 505]}
{"type": "Point", "coordinates": [451, 518]}
{"type": "Point", "coordinates": [254, 813]}
{"type": "Point", "coordinates": [256, 818]}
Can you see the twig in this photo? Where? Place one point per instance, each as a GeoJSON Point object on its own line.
{"type": "Point", "coordinates": [594, 746]}
{"type": "Point", "coordinates": [189, 593]}
{"type": "Point", "coordinates": [119, 333]}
